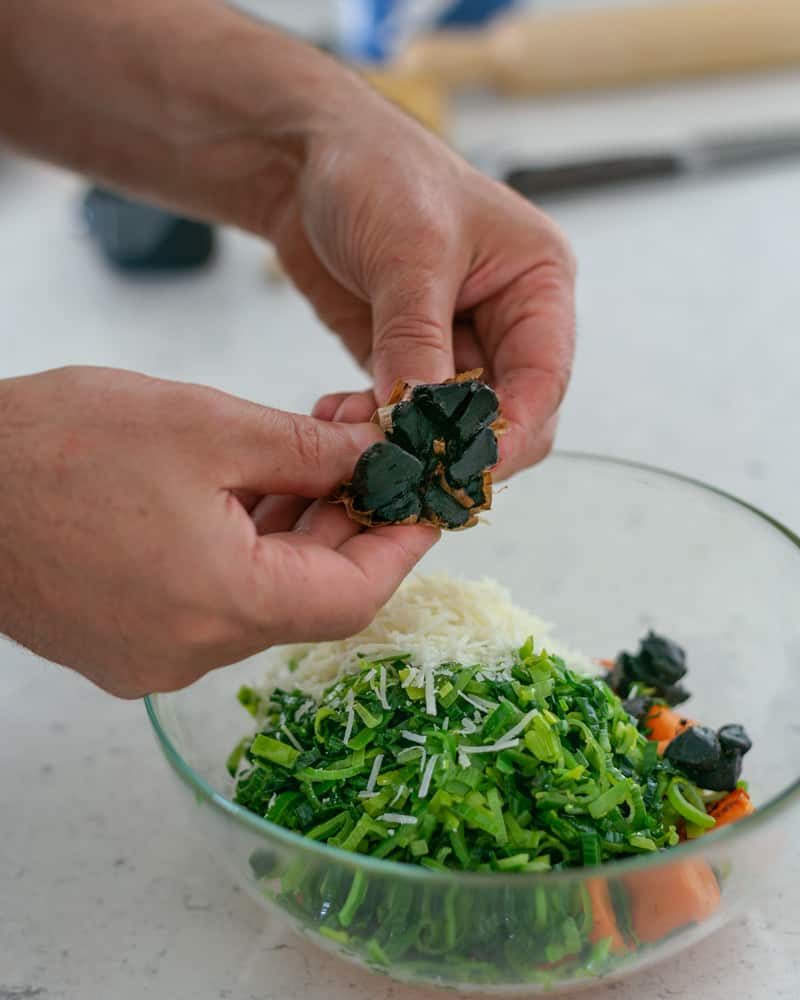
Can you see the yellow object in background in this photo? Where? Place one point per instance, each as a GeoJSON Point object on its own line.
{"type": "Point", "coordinates": [420, 96]}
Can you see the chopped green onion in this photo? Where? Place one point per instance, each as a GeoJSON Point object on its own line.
{"type": "Point", "coordinates": [520, 768]}
{"type": "Point", "coordinates": [266, 748]}
{"type": "Point", "coordinates": [590, 849]}
{"type": "Point", "coordinates": [355, 897]}
{"type": "Point", "coordinates": [370, 721]}
{"type": "Point", "coordinates": [604, 803]}
{"type": "Point", "coordinates": [236, 755]}
{"type": "Point", "coordinates": [679, 791]}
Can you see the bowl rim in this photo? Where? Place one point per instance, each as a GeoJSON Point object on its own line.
{"type": "Point", "coordinates": [738, 831]}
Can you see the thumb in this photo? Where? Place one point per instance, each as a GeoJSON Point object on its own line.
{"type": "Point", "coordinates": [285, 453]}
{"type": "Point", "coordinates": [412, 331]}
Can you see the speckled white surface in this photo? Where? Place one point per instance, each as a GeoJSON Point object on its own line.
{"type": "Point", "coordinates": [689, 357]}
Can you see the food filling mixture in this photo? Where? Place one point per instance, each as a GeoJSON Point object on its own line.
{"type": "Point", "coordinates": [430, 740]}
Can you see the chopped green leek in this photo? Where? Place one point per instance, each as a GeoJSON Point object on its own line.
{"type": "Point", "coordinates": [526, 766]}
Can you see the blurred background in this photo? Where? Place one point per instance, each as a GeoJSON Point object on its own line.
{"type": "Point", "coordinates": [688, 293]}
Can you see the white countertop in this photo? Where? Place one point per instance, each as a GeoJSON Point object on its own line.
{"type": "Point", "coordinates": [688, 357]}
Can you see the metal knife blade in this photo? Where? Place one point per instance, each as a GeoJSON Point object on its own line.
{"type": "Point", "coordinates": [710, 153]}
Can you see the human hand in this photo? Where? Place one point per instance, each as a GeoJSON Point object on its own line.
{"type": "Point", "coordinates": [421, 264]}
{"type": "Point", "coordinates": [425, 267]}
{"type": "Point", "coordinates": [133, 543]}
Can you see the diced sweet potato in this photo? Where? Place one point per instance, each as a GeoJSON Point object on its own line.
{"type": "Point", "coordinates": [664, 900]}
{"type": "Point", "coordinates": [736, 805]}
{"type": "Point", "coordinates": [604, 921]}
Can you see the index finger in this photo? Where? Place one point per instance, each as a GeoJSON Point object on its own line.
{"type": "Point", "coordinates": [311, 592]}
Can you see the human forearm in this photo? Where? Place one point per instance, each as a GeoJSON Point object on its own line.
{"type": "Point", "coordinates": [185, 101]}
{"type": "Point", "coordinates": [384, 229]}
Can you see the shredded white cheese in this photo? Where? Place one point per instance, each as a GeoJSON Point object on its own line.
{"type": "Point", "coordinates": [520, 727]}
{"type": "Point", "coordinates": [373, 774]}
{"type": "Point", "coordinates": [348, 729]}
{"type": "Point", "coordinates": [399, 818]}
{"type": "Point", "coordinates": [430, 692]}
{"type": "Point", "coordinates": [482, 704]}
{"type": "Point", "coordinates": [304, 709]}
{"type": "Point", "coordinates": [382, 689]}
{"type": "Point", "coordinates": [434, 620]}
{"type": "Point", "coordinates": [401, 791]}
{"type": "Point", "coordinates": [490, 748]}
{"type": "Point", "coordinates": [425, 784]}
{"type": "Point", "coordinates": [413, 737]}
{"type": "Point", "coordinates": [292, 739]}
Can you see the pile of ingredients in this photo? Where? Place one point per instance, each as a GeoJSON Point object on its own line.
{"type": "Point", "coordinates": [455, 733]}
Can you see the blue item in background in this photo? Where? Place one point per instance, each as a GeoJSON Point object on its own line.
{"type": "Point", "coordinates": [134, 236]}
{"type": "Point", "coordinates": [373, 30]}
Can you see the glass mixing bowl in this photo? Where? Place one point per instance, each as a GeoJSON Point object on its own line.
{"type": "Point", "coordinates": [606, 550]}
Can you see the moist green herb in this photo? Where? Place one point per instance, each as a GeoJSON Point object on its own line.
{"type": "Point", "coordinates": [525, 767]}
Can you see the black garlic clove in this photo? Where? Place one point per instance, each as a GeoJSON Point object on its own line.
{"type": "Point", "coordinates": [696, 748]}
{"type": "Point", "coordinates": [386, 483]}
{"type": "Point", "coordinates": [443, 510]}
{"type": "Point", "coordinates": [481, 453]}
{"type": "Point", "coordinates": [734, 738]}
{"type": "Point", "coordinates": [440, 403]}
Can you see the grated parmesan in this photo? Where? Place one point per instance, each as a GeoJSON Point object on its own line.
{"type": "Point", "coordinates": [482, 704]}
{"type": "Point", "coordinates": [432, 620]}
{"type": "Point", "coordinates": [304, 708]}
{"type": "Point", "coordinates": [348, 729]}
{"type": "Point", "coordinates": [425, 784]}
{"type": "Point", "coordinates": [520, 727]}
{"type": "Point", "coordinates": [292, 739]}
{"type": "Point", "coordinates": [401, 791]}
{"type": "Point", "coordinates": [430, 693]}
{"type": "Point", "coordinates": [399, 818]}
{"type": "Point", "coordinates": [490, 748]}
{"type": "Point", "coordinates": [382, 689]}
{"type": "Point", "coordinates": [373, 774]}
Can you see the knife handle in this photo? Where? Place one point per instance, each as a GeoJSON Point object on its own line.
{"type": "Point", "coordinates": [537, 182]}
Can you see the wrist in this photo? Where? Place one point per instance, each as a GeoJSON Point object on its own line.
{"type": "Point", "coordinates": [246, 102]}
{"type": "Point", "coordinates": [187, 102]}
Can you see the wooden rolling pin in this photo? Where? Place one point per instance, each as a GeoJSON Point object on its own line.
{"type": "Point", "coordinates": [541, 53]}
